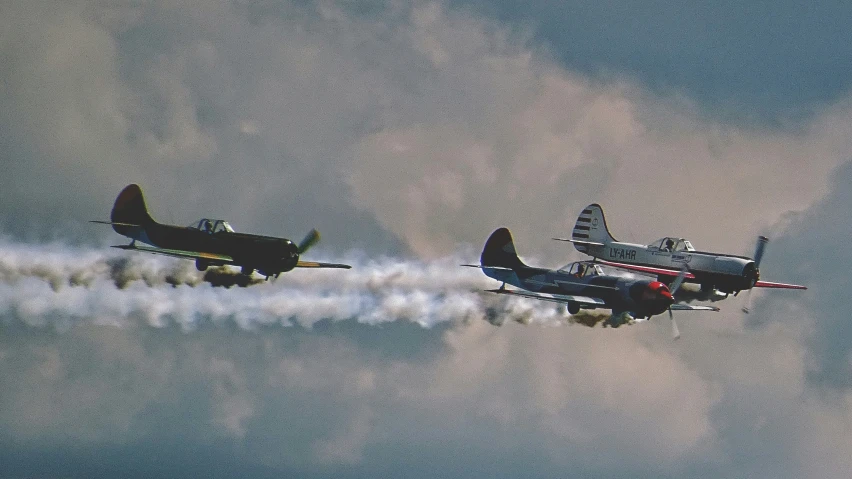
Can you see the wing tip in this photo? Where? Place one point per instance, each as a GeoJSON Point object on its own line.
{"type": "Point", "coordinates": [770, 284]}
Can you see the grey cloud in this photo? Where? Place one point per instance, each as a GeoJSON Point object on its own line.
{"type": "Point", "coordinates": [746, 63]}
{"type": "Point", "coordinates": [395, 128]}
{"type": "Point", "coordinates": [281, 378]}
{"type": "Point", "coordinates": [212, 115]}
{"type": "Point", "coordinates": [513, 140]}
{"type": "Point", "coordinates": [149, 362]}
{"type": "Point", "coordinates": [307, 401]}
{"type": "Point", "coordinates": [810, 247]}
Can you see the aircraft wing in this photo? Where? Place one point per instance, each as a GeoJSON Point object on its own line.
{"type": "Point", "coordinates": [314, 264]}
{"type": "Point", "coordinates": [554, 298]}
{"type": "Point", "coordinates": [647, 269]}
{"type": "Point", "coordinates": [769, 284]}
{"type": "Point", "coordinates": [691, 307]}
{"type": "Point", "coordinates": [222, 258]}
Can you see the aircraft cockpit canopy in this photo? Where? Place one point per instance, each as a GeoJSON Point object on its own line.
{"type": "Point", "coordinates": [212, 226]}
{"type": "Point", "coordinates": [672, 244]}
{"type": "Point", "coordinates": [582, 269]}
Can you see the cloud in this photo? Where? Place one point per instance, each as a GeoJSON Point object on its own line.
{"type": "Point", "coordinates": [745, 63]}
{"type": "Point", "coordinates": [396, 128]}
{"type": "Point", "coordinates": [539, 139]}
{"type": "Point", "coordinates": [273, 375]}
{"type": "Point", "coordinates": [393, 129]}
{"type": "Point", "coordinates": [313, 401]}
{"type": "Point", "coordinates": [810, 246]}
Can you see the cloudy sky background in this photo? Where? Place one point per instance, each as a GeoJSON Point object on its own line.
{"type": "Point", "coordinates": [407, 132]}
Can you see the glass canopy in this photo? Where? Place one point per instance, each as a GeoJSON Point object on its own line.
{"type": "Point", "coordinates": [211, 226]}
{"type": "Point", "coordinates": [672, 244]}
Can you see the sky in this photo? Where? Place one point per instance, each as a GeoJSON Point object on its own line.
{"type": "Point", "coordinates": [406, 132]}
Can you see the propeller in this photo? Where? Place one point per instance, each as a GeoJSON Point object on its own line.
{"type": "Point", "coordinates": [311, 239]}
{"type": "Point", "coordinates": [758, 255]}
{"type": "Point", "coordinates": [675, 331]}
{"type": "Point", "coordinates": [673, 289]}
{"type": "Point", "coordinates": [759, 249]}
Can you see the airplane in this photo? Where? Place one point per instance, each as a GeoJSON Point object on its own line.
{"type": "Point", "coordinates": [666, 257]}
{"type": "Point", "coordinates": [579, 285]}
{"type": "Point", "coordinates": [209, 242]}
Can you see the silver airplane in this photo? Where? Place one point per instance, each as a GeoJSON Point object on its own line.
{"type": "Point", "coordinates": [579, 285]}
{"type": "Point", "coordinates": [667, 257]}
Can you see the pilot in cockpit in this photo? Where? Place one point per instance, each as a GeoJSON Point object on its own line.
{"type": "Point", "coordinates": [581, 270]}
{"type": "Point", "coordinates": [669, 245]}
{"type": "Point", "coordinates": [207, 227]}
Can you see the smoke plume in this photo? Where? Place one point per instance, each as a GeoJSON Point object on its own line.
{"type": "Point", "coordinates": [59, 285]}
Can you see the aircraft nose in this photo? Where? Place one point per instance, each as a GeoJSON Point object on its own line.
{"type": "Point", "coordinates": [289, 249]}
{"type": "Point", "coordinates": [665, 296]}
{"type": "Point", "coordinates": [751, 274]}
{"type": "Point", "coordinates": [659, 297]}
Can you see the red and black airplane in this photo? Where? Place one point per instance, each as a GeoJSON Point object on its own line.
{"type": "Point", "coordinates": [209, 242]}
{"type": "Point", "coordinates": [579, 285]}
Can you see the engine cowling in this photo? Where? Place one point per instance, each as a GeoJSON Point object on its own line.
{"type": "Point", "coordinates": [286, 256]}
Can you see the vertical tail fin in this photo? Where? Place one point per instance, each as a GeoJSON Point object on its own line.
{"type": "Point", "coordinates": [130, 208]}
{"type": "Point", "coordinates": [500, 251]}
{"type": "Point", "coordinates": [591, 227]}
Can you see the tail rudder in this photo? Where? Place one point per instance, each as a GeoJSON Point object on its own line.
{"type": "Point", "coordinates": [129, 208]}
{"type": "Point", "coordinates": [500, 251]}
{"type": "Point", "coordinates": [591, 227]}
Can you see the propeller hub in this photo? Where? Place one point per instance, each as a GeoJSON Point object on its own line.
{"type": "Point", "coordinates": [657, 297]}
{"type": "Point", "coordinates": [751, 275]}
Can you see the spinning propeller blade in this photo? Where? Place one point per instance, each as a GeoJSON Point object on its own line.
{"type": "Point", "coordinates": [310, 240]}
{"type": "Point", "coordinates": [679, 280]}
{"type": "Point", "coordinates": [675, 331]}
{"type": "Point", "coordinates": [759, 249]}
{"type": "Point", "coordinates": [758, 255]}
{"type": "Point", "coordinates": [747, 306]}
{"type": "Point", "coordinates": [673, 289]}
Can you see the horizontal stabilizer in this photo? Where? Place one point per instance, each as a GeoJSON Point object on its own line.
{"type": "Point", "coordinates": [690, 307]}
{"type": "Point", "coordinates": [314, 264]}
{"type": "Point", "coordinates": [769, 284]}
{"type": "Point", "coordinates": [554, 298]}
{"type": "Point", "coordinates": [114, 223]}
{"type": "Point", "coordinates": [569, 240]}
{"type": "Point", "coordinates": [499, 268]}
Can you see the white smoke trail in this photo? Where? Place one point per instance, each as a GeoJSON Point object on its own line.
{"type": "Point", "coordinates": [59, 286]}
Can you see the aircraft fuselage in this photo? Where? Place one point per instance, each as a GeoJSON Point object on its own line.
{"type": "Point", "coordinates": [266, 254]}
{"type": "Point", "coordinates": [727, 273]}
{"type": "Point", "coordinates": [639, 297]}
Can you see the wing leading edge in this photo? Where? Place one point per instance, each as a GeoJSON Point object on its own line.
{"type": "Point", "coordinates": [770, 284]}
{"type": "Point", "coordinates": [692, 307]}
{"type": "Point", "coordinates": [222, 258]}
{"type": "Point", "coordinates": [176, 253]}
{"type": "Point", "coordinates": [554, 298]}
{"type": "Point", "coordinates": [688, 275]}
{"type": "Point", "coordinates": [315, 264]}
